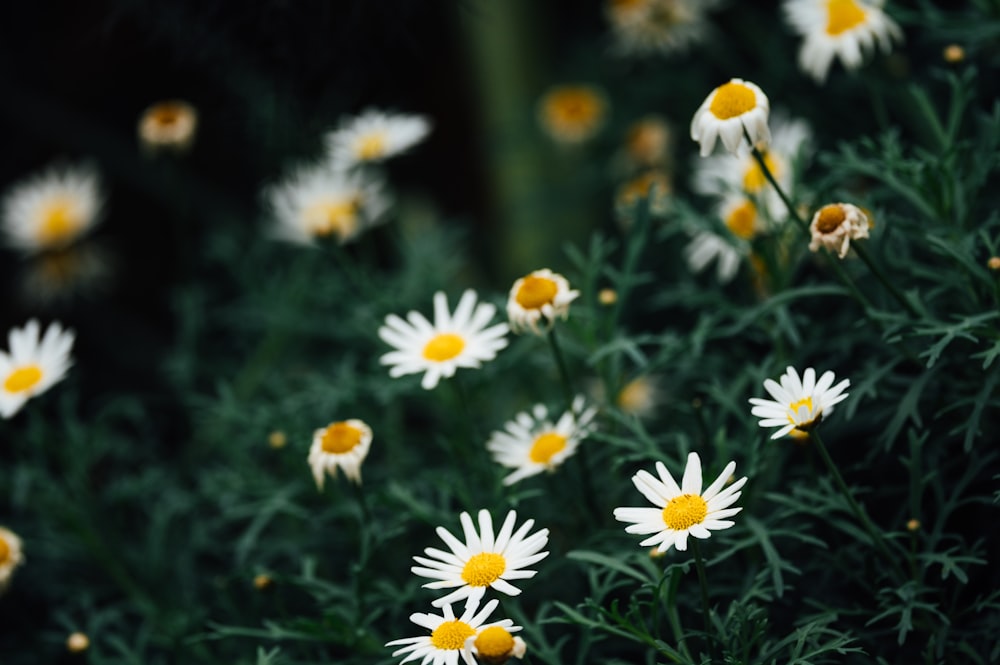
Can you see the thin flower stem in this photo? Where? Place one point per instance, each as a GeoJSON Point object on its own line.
{"type": "Point", "coordinates": [567, 385]}
{"type": "Point", "coordinates": [863, 255]}
{"type": "Point", "coordinates": [706, 611]}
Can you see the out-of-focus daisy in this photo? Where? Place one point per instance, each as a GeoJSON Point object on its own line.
{"type": "Point", "coordinates": [681, 510]}
{"type": "Point", "coordinates": [847, 29]}
{"type": "Point", "coordinates": [539, 298]}
{"type": "Point", "coordinates": [168, 125]}
{"type": "Point", "coordinates": [572, 113]}
{"type": "Point", "coordinates": [343, 444]}
{"type": "Point", "coordinates": [655, 185]}
{"type": "Point", "coordinates": [483, 560]}
{"type": "Point", "coordinates": [11, 555]}
{"type": "Point", "coordinates": [462, 339]}
{"type": "Point", "coordinates": [32, 364]}
{"type": "Point", "coordinates": [739, 214]}
{"type": "Point", "coordinates": [646, 27]}
{"type": "Point", "coordinates": [834, 226]}
{"type": "Point", "coordinates": [730, 110]}
{"type": "Point", "coordinates": [798, 403]}
{"type": "Point", "coordinates": [495, 646]}
{"type": "Point", "coordinates": [647, 143]}
{"type": "Point", "coordinates": [60, 274]}
{"type": "Point", "coordinates": [52, 209]}
{"type": "Point", "coordinates": [640, 396]}
{"type": "Point", "coordinates": [319, 201]}
{"type": "Point", "coordinates": [532, 442]}
{"type": "Point", "coordinates": [374, 136]}
{"type": "Point", "coordinates": [450, 635]}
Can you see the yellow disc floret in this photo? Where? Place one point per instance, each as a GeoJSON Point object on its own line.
{"type": "Point", "coordinates": [684, 511]}
{"type": "Point", "coordinates": [59, 224]}
{"type": "Point", "coordinates": [451, 635]}
{"type": "Point", "coordinates": [830, 217]}
{"type": "Point", "coordinates": [340, 438]}
{"type": "Point", "coordinates": [741, 220]}
{"type": "Point", "coordinates": [4, 551]}
{"type": "Point", "coordinates": [795, 406]}
{"type": "Point", "coordinates": [371, 146]}
{"type": "Point", "coordinates": [338, 218]}
{"type": "Point", "coordinates": [494, 643]}
{"type": "Point", "coordinates": [731, 100]}
{"type": "Point", "coordinates": [842, 15]}
{"type": "Point", "coordinates": [536, 292]}
{"type": "Point", "coordinates": [444, 346]}
{"type": "Point", "coordinates": [23, 378]}
{"type": "Point", "coordinates": [546, 446]}
{"type": "Point", "coordinates": [484, 569]}
{"type": "Point", "coordinates": [754, 179]}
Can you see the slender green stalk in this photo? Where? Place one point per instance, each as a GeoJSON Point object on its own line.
{"type": "Point", "coordinates": [863, 255]}
{"type": "Point", "coordinates": [673, 617]}
{"type": "Point", "coordinates": [706, 611]}
{"type": "Point", "coordinates": [567, 385]}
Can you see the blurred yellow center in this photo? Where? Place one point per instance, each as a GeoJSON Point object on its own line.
{"type": "Point", "coordinates": [333, 217]}
{"type": "Point", "coordinates": [754, 179]}
{"type": "Point", "coordinates": [684, 511]}
{"type": "Point", "coordinates": [830, 217]}
{"type": "Point", "coordinates": [166, 115]}
{"type": "Point", "coordinates": [575, 107]}
{"type": "Point", "coordinates": [842, 15]}
{"type": "Point", "coordinates": [340, 438]}
{"type": "Point", "coordinates": [371, 146]}
{"type": "Point", "coordinates": [741, 220]}
{"type": "Point", "coordinates": [59, 224]}
{"type": "Point", "coordinates": [536, 292]}
{"type": "Point", "coordinates": [545, 446]}
{"type": "Point", "coordinates": [484, 569]}
{"type": "Point", "coordinates": [4, 551]}
{"type": "Point", "coordinates": [731, 100]}
{"type": "Point", "coordinates": [636, 396]}
{"type": "Point", "coordinates": [23, 378]}
{"type": "Point", "coordinates": [494, 642]}
{"type": "Point", "coordinates": [444, 346]}
{"type": "Point", "coordinates": [795, 406]}
{"type": "Point", "coordinates": [451, 635]}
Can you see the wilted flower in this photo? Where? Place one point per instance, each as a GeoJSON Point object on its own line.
{"type": "Point", "coordinates": [645, 27]}
{"type": "Point", "coordinates": [730, 111]}
{"type": "Point", "coordinates": [168, 125]}
{"type": "Point", "coordinates": [341, 444]}
{"type": "Point", "coordinates": [539, 298]}
{"type": "Point", "coordinates": [834, 226]}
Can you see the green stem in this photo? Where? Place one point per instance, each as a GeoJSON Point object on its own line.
{"type": "Point", "coordinates": [863, 255]}
{"type": "Point", "coordinates": [672, 615]}
{"type": "Point", "coordinates": [567, 385]}
{"type": "Point", "coordinates": [706, 611]}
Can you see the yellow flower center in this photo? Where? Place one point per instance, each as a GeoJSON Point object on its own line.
{"type": "Point", "coordinates": [684, 511]}
{"type": "Point", "coordinates": [536, 292]}
{"type": "Point", "coordinates": [636, 396]}
{"type": "Point", "coordinates": [4, 551]}
{"type": "Point", "coordinates": [795, 406]}
{"type": "Point", "coordinates": [741, 220]}
{"type": "Point", "coordinates": [166, 115]}
{"type": "Point", "coordinates": [754, 179]}
{"type": "Point", "coordinates": [830, 217]}
{"type": "Point", "coordinates": [340, 438]}
{"type": "Point", "coordinates": [59, 224]}
{"type": "Point", "coordinates": [732, 99]}
{"type": "Point", "coordinates": [494, 643]}
{"type": "Point", "coordinates": [333, 217]}
{"type": "Point", "coordinates": [573, 108]}
{"type": "Point", "coordinates": [484, 569]}
{"type": "Point", "coordinates": [842, 15]}
{"type": "Point", "coordinates": [444, 346]}
{"type": "Point", "coordinates": [451, 635]}
{"type": "Point", "coordinates": [545, 446]}
{"type": "Point", "coordinates": [23, 378]}
{"type": "Point", "coordinates": [371, 146]}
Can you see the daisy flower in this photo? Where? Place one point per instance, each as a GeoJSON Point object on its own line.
{"type": "Point", "coordinates": [51, 210]}
{"type": "Point", "coordinates": [454, 340]}
{"type": "Point", "coordinates": [541, 297]}
{"type": "Point", "coordinates": [834, 226]}
{"type": "Point", "coordinates": [732, 109]}
{"type": "Point", "coordinates": [450, 636]}
{"type": "Point", "coordinates": [532, 443]}
{"type": "Point", "coordinates": [798, 403]}
{"type": "Point", "coordinates": [342, 444]}
{"type": "Point", "coordinates": [572, 113]}
{"type": "Point", "coordinates": [640, 396]}
{"type": "Point", "coordinates": [33, 364]}
{"type": "Point", "coordinates": [482, 561]}
{"type": "Point", "coordinates": [374, 136]}
{"type": "Point", "coordinates": [168, 125]}
{"type": "Point", "coordinates": [495, 646]}
{"type": "Point", "coordinates": [11, 555]}
{"type": "Point", "coordinates": [319, 201]}
{"type": "Point", "coordinates": [739, 214]}
{"type": "Point", "coordinates": [846, 29]}
{"type": "Point", "coordinates": [647, 143]}
{"type": "Point", "coordinates": [681, 510]}
{"type": "Point", "coordinates": [648, 27]}
{"type": "Point", "coordinates": [654, 185]}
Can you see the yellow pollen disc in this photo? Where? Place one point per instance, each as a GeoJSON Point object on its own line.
{"type": "Point", "coordinates": [329, 217]}
{"type": "Point", "coordinates": [451, 635]}
{"type": "Point", "coordinates": [4, 551]}
{"type": "Point", "coordinates": [546, 446]}
{"type": "Point", "coordinates": [684, 511]}
{"type": "Point", "coordinates": [574, 108]}
{"type": "Point", "coordinates": [494, 642]}
{"type": "Point", "coordinates": [741, 220]}
{"type": "Point", "coordinates": [340, 438]}
{"type": "Point", "coordinates": [536, 292]}
{"type": "Point", "coordinates": [23, 378]}
{"type": "Point", "coordinates": [636, 396]}
{"type": "Point", "coordinates": [731, 100]}
{"type": "Point", "coordinates": [444, 346]}
{"type": "Point", "coordinates": [59, 224]}
{"type": "Point", "coordinates": [830, 217]}
{"type": "Point", "coordinates": [371, 146]}
{"type": "Point", "coordinates": [842, 15]}
{"type": "Point", "coordinates": [795, 406]}
{"type": "Point", "coordinates": [484, 569]}
{"type": "Point", "coordinates": [166, 115]}
{"type": "Point", "coordinates": [754, 179]}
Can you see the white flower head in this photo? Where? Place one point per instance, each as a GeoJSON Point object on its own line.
{"type": "Point", "coordinates": [684, 509]}
{"type": "Point", "coordinates": [32, 364]}
{"type": "Point", "coordinates": [483, 560]}
{"type": "Point", "coordinates": [319, 201]}
{"type": "Point", "coordinates": [741, 219]}
{"type": "Point", "coordinates": [847, 29]}
{"type": "Point", "coordinates": [539, 298]}
{"type": "Point", "coordinates": [730, 111]}
{"type": "Point", "coordinates": [168, 125]}
{"type": "Point", "coordinates": [834, 226]}
{"type": "Point", "coordinates": [374, 136]}
{"type": "Point", "coordinates": [798, 403]}
{"type": "Point", "coordinates": [11, 555]}
{"type": "Point", "coordinates": [343, 444]}
{"type": "Point", "coordinates": [450, 635]}
{"type": "Point", "coordinates": [664, 27]}
{"type": "Point", "coordinates": [462, 339]}
{"type": "Point", "coordinates": [52, 209]}
{"type": "Point", "coordinates": [572, 114]}
{"type": "Point", "coordinates": [532, 443]}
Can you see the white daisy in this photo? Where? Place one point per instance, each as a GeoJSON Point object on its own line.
{"type": "Point", "coordinates": [681, 510]}
{"type": "Point", "coordinates": [540, 297]}
{"type": "Point", "coordinates": [32, 364]}
{"type": "Point", "coordinates": [739, 215]}
{"type": "Point", "coordinates": [798, 403]}
{"type": "Point", "coordinates": [11, 555]}
{"type": "Point", "coordinates": [168, 125]}
{"type": "Point", "coordinates": [847, 29]}
{"type": "Point", "coordinates": [342, 444]}
{"type": "Point", "coordinates": [647, 27]}
{"type": "Point", "coordinates": [317, 201]}
{"type": "Point", "coordinates": [52, 209]}
{"type": "Point", "coordinates": [454, 340]}
{"type": "Point", "coordinates": [450, 635]}
{"type": "Point", "coordinates": [495, 646]}
{"type": "Point", "coordinates": [732, 109]}
{"type": "Point", "coordinates": [482, 561]}
{"type": "Point", "coordinates": [532, 443]}
{"type": "Point", "coordinates": [572, 114]}
{"type": "Point", "coordinates": [374, 136]}
{"type": "Point", "coordinates": [834, 226]}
